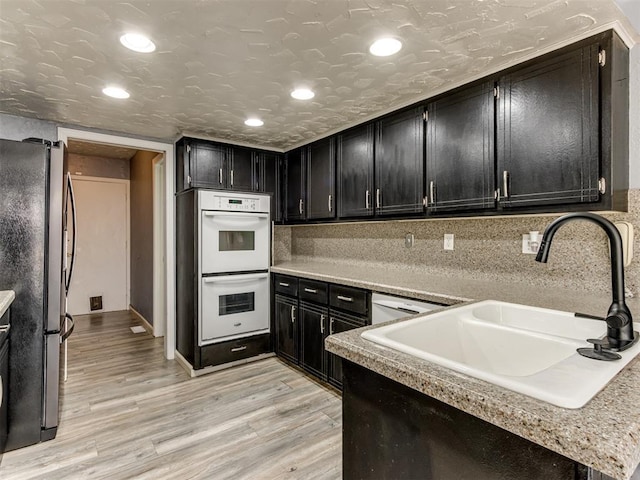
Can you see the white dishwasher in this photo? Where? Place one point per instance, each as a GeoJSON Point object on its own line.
{"type": "Point", "coordinates": [388, 307]}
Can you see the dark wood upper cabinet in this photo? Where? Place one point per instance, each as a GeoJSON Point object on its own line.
{"type": "Point", "coordinates": [355, 172]}
{"type": "Point", "coordinates": [321, 174]}
{"type": "Point", "coordinates": [399, 158]}
{"type": "Point", "coordinates": [200, 165]}
{"type": "Point", "coordinates": [269, 167]}
{"type": "Point", "coordinates": [240, 173]}
{"type": "Point", "coordinates": [548, 131]}
{"type": "Point", "coordinates": [460, 150]}
{"type": "Point", "coordinates": [295, 185]}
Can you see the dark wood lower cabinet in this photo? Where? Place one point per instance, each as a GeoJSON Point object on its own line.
{"type": "Point", "coordinates": [286, 323]}
{"type": "Point", "coordinates": [306, 312]}
{"type": "Point", "coordinates": [391, 431]}
{"type": "Point", "coordinates": [314, 321]}
{"type": "Point", "coordinates": [340, 322]}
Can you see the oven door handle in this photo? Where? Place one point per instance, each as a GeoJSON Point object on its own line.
{"type": "Point", "coordinates": [236, 278]}
{"type": "Point", "coordinates": [209, 213]}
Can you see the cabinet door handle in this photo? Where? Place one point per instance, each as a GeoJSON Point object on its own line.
{"type": "Point", "coordinates": [377, 198]}
{"type": "Point", "coordinates": [300, 206]}
{"type": "Point", "coordinates": [432, 194]}
{"type": "Point", "coordinates": [330, 203]}
{"type": "Point", "coordinates": [239, 349]}
{"type": "Point", "coordinates": [505, 184]}
{"type": "Point", "coordinates": [293, 314]}
{"type": "Point", "coordinates": [311, 290]}
{"type": "Point", "coordinates": [331, 320]}
{"type": "Point", "coordinates": [5, 328]}
{"type": "Point", "coordinates": [232, 178]}
{"type": "Point", "coordinates": [322, 324]}
{"type": "Point", "coordinates": [282, 284]}
{"type": "Point", "coordinates": [366, 200]}
{"type": "Point", "coordinates": [345, 299]}
{"type": "Point", "coordinates": [220, 176]}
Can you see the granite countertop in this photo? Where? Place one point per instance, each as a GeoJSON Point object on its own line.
{"type": "Point", "coordinates": [6, 298]}
{"type": "Point", "coordinates": [604, 434]}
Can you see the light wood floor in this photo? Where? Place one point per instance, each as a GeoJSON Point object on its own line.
{"type": "Point", "coordinates": [128, 413]}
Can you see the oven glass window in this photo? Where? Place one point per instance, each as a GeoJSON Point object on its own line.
{"type": "Point", "coordinates": [237, 303]}
{"type": "Point", "coordinates": [235, 240]}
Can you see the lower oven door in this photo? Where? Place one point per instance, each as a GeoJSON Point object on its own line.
{"type": "Point", "coordinates": [233, 306]}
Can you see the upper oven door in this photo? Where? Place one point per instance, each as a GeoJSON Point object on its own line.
{"type": "Point", "coordinates": [234, 241]}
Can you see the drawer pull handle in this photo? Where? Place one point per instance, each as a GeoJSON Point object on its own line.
{"type": "Point", "coordinates": [4, 328]}
{"type": "Point", "coordinates": [239, 349]}
{"type": "Point", "coordinates": [311, 290]}
{"type": "Point", "coordinates": [345, 299]}
{"type": "Point", "coordinates": [237, 324]}
{"type": "Point", "coordinates": [282, 284]}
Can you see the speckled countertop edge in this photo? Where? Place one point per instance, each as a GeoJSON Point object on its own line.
{"type": "Point", "coordinates": [6, 299]}
{"type": "Point", "coordinates": [604, 434]}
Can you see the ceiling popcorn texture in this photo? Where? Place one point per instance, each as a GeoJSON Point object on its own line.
{"type": "Point", "coordinates": [218, 63]}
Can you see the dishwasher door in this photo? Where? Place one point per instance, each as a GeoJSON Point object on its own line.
{"type": "Point", "coordinates": [387, 307]}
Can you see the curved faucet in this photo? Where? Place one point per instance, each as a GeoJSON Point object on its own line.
{"type": "Point", "coordinates": [620, 334]}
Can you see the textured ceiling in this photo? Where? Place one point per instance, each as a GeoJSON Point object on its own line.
{"type": "Point", "coordinates": [219, 62]}
{"type": "Point", "coordinates": [100, 150]}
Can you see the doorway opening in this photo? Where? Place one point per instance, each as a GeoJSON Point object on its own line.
{"type": "Point", "coordinates": [148, 234]}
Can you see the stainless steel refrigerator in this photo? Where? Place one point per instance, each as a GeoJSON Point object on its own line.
{"type": "Point", "coordinates": [33, 201]}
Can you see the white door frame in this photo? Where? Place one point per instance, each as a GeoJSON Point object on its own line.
{"type": "Point", "coordinates": [126, 183]}
{"type": "Point", "coordinates": [64, 134]}
{"type": "Point", "coordinates": [159, 278]}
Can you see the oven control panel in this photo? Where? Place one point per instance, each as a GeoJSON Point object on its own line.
{"type": "Point", "coordinates": [237, 204]}
{"type": "Point", "coordinates": [230, 202]}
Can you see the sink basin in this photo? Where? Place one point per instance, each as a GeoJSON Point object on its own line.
{"type": "Point", "coordinates": [526, 349]}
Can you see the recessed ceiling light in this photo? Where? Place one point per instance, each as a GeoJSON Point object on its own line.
{"type": "Point", "coordinates": [302, 94]}
{"type": "Point", "coordinates": [115, 92]}
{"type": "Point", "coordinates": [383, 47]}
{"type": "Point", "coordinates": [137, 43]}
{"type": "Point", "coordinates": [253, 122]}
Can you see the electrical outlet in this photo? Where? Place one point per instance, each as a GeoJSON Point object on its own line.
{"type": "Point", "coordinates": [448, 241]}
{"type": "Point", "coordinates": [409, 240]}
{"type": "Point", "coordinates": [530, 247]}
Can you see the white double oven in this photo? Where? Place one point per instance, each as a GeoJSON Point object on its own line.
{"type": "Point", "coordinates": [234, 237]}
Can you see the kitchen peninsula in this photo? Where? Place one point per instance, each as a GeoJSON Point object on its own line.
{"type": "Point", "coordinates": [602, 435]}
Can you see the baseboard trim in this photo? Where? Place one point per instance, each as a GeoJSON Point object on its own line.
{"type": "Point", "coordinates": [184, 363]}
{"type": "Point", "coordinates": [147, 326]}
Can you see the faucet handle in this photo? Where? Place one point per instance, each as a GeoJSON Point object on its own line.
{"type": "Point", "coordinates": [600, 350]}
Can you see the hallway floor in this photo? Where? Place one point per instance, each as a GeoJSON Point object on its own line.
{"type": "Point", "coordinates": [126, 412]}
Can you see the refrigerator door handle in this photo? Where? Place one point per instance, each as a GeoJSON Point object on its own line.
{"type": "Point", "coordinates": [67, 331]}
{"type": "Point", "coordinates": [72, 199]}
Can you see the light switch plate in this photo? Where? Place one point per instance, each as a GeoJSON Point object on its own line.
{"type": "Point", "coordinates": [626, 232]}
{"type": "Point", "coordinates": [526, 245]}
{"type": "Point", "coordinates": [448, 241]}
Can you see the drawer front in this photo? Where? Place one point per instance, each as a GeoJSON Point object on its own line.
{"type": "Point", "coordinates": [313, 291]}
{"type": "Point", "coordinates": [286, 285]}
{"type": "Point", "coordinates": [225, 352]}
{"type": "Point", "coordinates": [350, 299]}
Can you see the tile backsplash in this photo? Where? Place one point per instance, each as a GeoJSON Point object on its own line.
{"type": "Point", "coordinates": [484, 248]}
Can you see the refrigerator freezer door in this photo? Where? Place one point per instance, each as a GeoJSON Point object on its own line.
{"type": "Point", "coordinates": [55, 293]}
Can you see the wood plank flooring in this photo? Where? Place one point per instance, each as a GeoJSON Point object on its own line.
{"type": "Point", "coordinates": [126, 412]}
